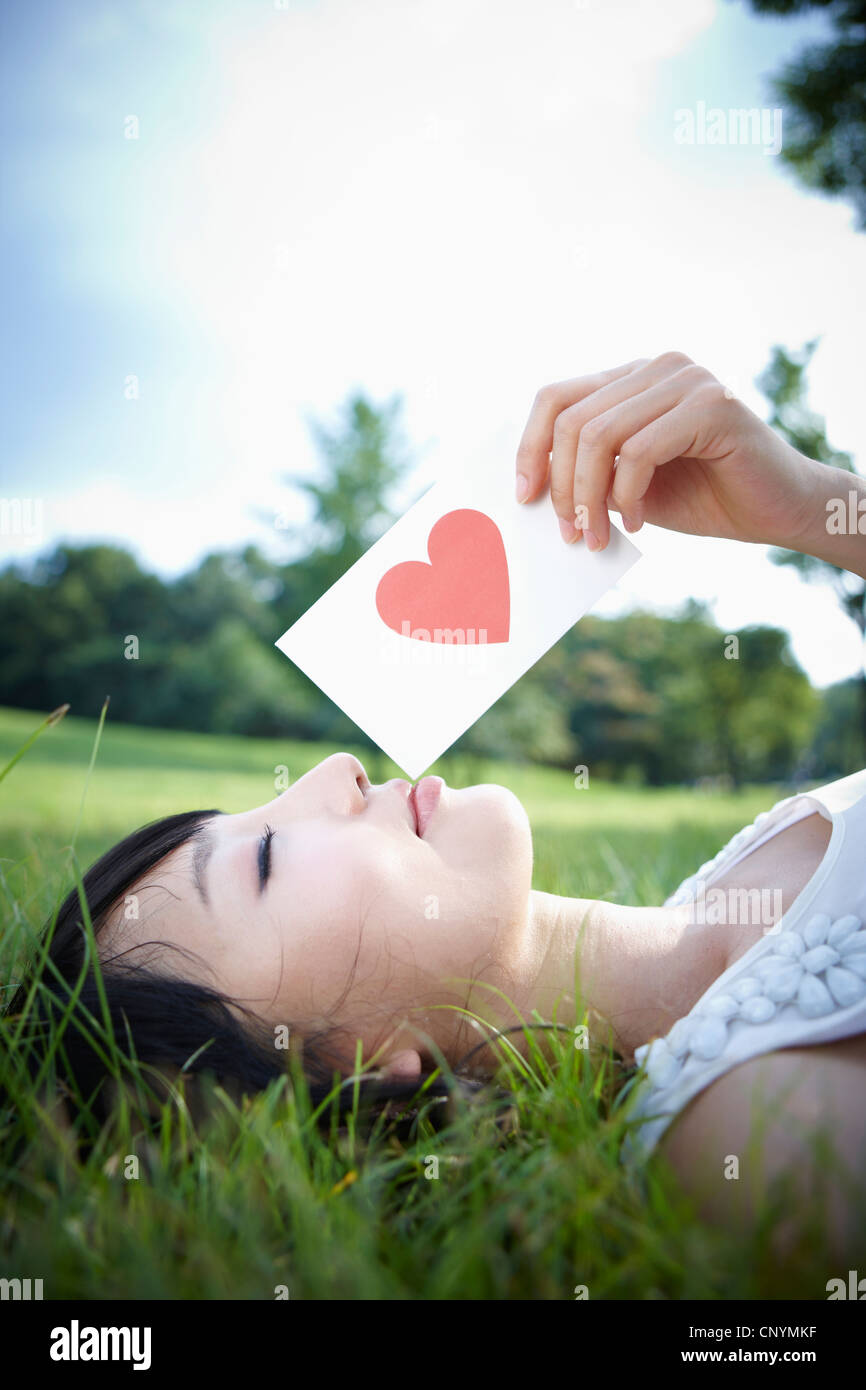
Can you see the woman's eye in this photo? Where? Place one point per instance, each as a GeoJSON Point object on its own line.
{"type": "Point", "coordinates": [264, 857]}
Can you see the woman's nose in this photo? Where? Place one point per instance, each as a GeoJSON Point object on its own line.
{"type": "Point", "coordinates": [337, 784]}
{"type": "Point", "coordinates": [344, 774]}
{"type": "Point", "coordinates": [353, 768]}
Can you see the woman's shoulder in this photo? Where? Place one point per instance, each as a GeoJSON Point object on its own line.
{"type": "Point", "coordinates": [842, 794]}
{"type": "Point", "coordinates": [836, 798]}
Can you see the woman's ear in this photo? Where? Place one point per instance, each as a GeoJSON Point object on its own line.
{"type": "Point", "coordinates": [403, 1066]}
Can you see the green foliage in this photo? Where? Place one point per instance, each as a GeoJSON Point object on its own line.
{"type": "Point", "coordinates": [823, 94]}
{"type": "Point", "coordinates": [645, 697]}
{"type": "Point", "coordinates": [673, 700]}
{"type": "Point", "coordinates": [362, 460]}
{"type": "Point", "coordinates": [783, 382]}
{"type": "Point", "coordinates": [650, 698]}
{"type": "Point", "coordinates": [838, 745]}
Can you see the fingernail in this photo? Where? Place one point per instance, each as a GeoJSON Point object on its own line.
{"type": "Point", "coordinates": [522, 488]}
{"type": "Point", "coordinates": [566, 530]}
{"type": "Point", "coordinates": [591, 540]}
{"type": "Point", "coordinates": [630, 523]}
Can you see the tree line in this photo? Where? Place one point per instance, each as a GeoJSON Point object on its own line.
{"type": "Point", "coordinates": [643, 698]}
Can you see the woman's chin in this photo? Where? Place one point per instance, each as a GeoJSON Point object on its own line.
{"type": "Point", "coordinates": [488, 828]}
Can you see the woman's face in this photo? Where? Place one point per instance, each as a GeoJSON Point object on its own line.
{"type": "Point", "coordinates": [342, 903]}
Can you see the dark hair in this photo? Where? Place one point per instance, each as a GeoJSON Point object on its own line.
{"type": "Point", "coordinates": [167, 1022]}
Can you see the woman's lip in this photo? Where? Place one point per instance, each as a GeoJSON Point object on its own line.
{"type": "Point", "coordinates": [425, 798]}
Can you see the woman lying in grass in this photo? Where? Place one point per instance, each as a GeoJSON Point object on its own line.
{"type": "Point", "coordinates": [343, 913]}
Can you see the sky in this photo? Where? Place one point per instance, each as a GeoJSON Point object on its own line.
{"type": "Point", "coordinates": [455, 201]}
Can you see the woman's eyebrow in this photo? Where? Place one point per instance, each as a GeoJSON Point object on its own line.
{"type": "Point", "coordinates": [204, 847]}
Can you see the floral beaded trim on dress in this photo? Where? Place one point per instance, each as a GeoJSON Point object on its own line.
{"type": "Point", "coordinates": [815, 968]}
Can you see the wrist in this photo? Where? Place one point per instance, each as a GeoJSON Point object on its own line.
{"type": "Point", "coordinates": [835, 526]}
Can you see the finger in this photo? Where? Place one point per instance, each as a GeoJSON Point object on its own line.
{"type": "Point", "coordinates": [533, 453]}
{"type": "Point", "coordinates": [599, 442]}
{"type": "Point", "coordinates": [668, 437]}
{"type": "Point", "coordinates": [573, 510]}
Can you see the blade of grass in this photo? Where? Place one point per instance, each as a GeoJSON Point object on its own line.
{"type": "Point", "coordinates": [53, 718]}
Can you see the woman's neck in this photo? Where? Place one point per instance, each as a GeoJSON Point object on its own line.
{"type": "Point", "coordinates": [641, 968]}
{"type": "Point", "coordinates": [629, 972]}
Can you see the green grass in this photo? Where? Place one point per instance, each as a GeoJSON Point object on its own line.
{"type": "Point", "coordinates": [234, 1201]}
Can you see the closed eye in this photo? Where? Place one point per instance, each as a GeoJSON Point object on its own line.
{"type": "Point", "coordinates": [264, 857]}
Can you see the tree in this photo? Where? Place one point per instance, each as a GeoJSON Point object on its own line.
{"type": "Point", "coordinates": [64, 623]}
{"type": "Point", "coordinates": [783, 382]}
{"type": "Point", "coordinates": [362, 460]}
{"type": "Point", "coordinates": [674, 699]}
{"type": "Point", "coordinates": [836, 747]}
{"type": "Point", "coordinates": [823, 93]}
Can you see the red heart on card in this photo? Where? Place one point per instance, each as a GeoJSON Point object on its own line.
{"type": "Point", "coordinates": [464, 589]}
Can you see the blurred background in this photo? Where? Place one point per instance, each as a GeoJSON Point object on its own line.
{"type": "Point", "coordinates": [272, 268]}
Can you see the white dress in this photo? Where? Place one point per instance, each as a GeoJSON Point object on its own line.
{"type": "Point", "coordinates": [803, 982]}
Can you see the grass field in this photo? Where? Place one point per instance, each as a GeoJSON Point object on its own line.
{"type": "Point", "coordinates": [252, 1199]}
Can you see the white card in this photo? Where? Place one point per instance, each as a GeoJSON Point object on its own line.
{"type": "Point", "coordinates": [431, 626]}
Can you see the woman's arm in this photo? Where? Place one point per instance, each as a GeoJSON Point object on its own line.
{"type": "Point", "coordinates": [663, 441]}
{"type": "Point", "coordinates": [838, 525]}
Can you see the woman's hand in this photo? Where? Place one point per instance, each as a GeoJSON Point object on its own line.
{"type": "Point", "coordinates": [663, 441]}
